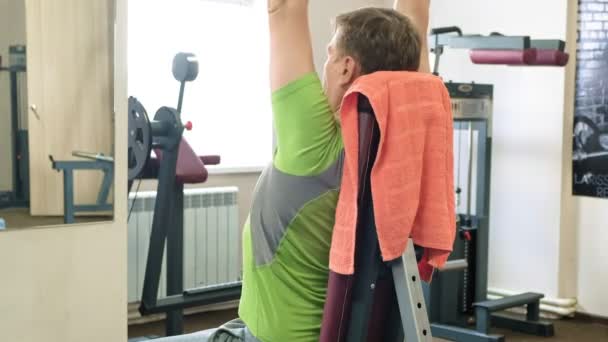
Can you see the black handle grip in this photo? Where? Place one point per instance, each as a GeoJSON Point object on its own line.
{"type": "Point", "coordinates": [447, 29]}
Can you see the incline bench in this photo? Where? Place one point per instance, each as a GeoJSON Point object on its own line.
{"type": "Point", "coordinates": [381, 301]}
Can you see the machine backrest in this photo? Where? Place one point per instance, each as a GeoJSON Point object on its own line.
{"type": "Point", "coordinates": [344, 308]}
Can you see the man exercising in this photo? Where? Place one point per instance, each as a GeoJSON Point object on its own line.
{"type": "Point", "coordinates": [287, 238]}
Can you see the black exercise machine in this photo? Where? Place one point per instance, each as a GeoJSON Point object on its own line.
{"type": "Point", "coordinates": [175, 164]}
{"type": "Point", "coordinates": [458, 307]}
{"type": "Point", "coordinates": [20, 193]}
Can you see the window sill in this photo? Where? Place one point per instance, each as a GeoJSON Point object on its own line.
{"type": "Point", "coordinates": [220, 170]}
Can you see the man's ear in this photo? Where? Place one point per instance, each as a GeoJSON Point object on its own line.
{"type": "Point", "coordinates": [350, 71]}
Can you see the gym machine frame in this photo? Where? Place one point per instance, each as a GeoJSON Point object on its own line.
{"type": "Point", "coordinates": [99, 162]}
{"type": "Point", "coordinates": [19, 196]}
{"type": "Point", "coordinates": [457, 296]}
{"type": "Point", "coordinates": [441, 38]}
{"type": "Point", "coordinates": [164, 134]}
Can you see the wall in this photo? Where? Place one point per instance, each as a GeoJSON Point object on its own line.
{"type": "Point", "coordinates": [592, 256]}
{"type": "Point", "coordinates": [70, 283]}
{"type": "Point", "coordinates": [12, 31]}
{"type": "Point", "coordinates": [63, 284]}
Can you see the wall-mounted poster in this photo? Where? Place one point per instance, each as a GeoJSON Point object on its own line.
{"type": "Point", "coordinates": [590, 138]}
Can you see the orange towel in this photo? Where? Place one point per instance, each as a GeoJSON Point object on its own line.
{"type": "Point", "coordinates": [413, 176]}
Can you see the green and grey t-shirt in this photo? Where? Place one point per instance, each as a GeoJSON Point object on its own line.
{"type": "Point", "coordinates": [287, 238]}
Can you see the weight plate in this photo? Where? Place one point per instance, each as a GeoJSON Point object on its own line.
{"type": "Point", "coordinates": [140, 138]}
{"type": "Point", "coordinates": [171, 136]}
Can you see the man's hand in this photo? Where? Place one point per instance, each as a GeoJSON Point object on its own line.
{"type": "Point", "coordinates": [290, 42]}
{"type": "Point", "coordinates": [418, 12]}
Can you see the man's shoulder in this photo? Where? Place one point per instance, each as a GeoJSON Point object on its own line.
{"type": "Point", "coordinates": [307, 135]}
{"type": "Point", "coordinates": [291, 90]}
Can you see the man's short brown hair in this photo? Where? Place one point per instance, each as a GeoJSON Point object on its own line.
{"type": "Point", "coordinates": [380, 39]}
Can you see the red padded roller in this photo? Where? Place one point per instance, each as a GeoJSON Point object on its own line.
{"type": "Point", "coordinates": [190, 168]}
{"type": "Point", "coordinates": [211, 160]}
{"type": "Point", "coordinates": [551, 58]}
{"type": "Point", "coordinates": [505, 57]}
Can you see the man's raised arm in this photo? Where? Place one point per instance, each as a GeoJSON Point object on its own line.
{"type": "Point", "coordinates": [418, 12]}
{"type": "Point", "coordinates": [290, 42]}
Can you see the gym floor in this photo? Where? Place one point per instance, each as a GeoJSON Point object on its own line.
{"type": "Point", "coordinates": [20, 218]}
{"type": "Point", "coordinates": [567, 330]}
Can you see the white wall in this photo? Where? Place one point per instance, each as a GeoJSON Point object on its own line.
{"type": "Point", "coordinates": [12, 32]}
{"type": "Point", "coordinates": [593, 256]}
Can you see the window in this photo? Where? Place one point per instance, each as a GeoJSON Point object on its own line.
{"type": "Point", "coordinates": [229, 102]}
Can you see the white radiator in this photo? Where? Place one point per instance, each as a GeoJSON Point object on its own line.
{"type": "Point", "coordinates": [211, 239]}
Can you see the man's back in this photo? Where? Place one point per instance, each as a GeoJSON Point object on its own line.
{"type": "Point", "coordinates": [287, 238]}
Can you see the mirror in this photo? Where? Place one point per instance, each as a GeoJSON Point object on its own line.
{"type": "Point", "coordinates": [56, 113]}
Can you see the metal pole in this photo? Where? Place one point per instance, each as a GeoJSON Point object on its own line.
{"type": "Point", "coordinates": [470, 171]}
{"type": "Point", "coordinates": [412, 306]}
{"type": "Point", "coordinates": [17, 195]}
{"type": "Point", "coordinates": [68, 196]}
{"type": "Point", "coordinates": [175, 261]}
{"type": "Point", "coordinates": [180, 101]}
{"type": "Point", "coordinates": [484, 172]}
{"type": "Point", "coordinates": [160, 226]}
{"type": "Point", "coordinates": [106, 184]}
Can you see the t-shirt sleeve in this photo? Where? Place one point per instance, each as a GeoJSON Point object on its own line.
{"type": "Point", "coordinates": [307, 134]}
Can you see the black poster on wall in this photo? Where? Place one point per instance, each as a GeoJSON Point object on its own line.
{"type": "Point", "coordinates": [590, 131]}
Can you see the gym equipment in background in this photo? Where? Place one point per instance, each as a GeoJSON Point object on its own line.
{"type": "Point", "coordinates": [99, 162]}
{"type": "Point", "coordinates": [20, 192]}
{"type": "Point", "coordinates": [499, 49]}
{"type": "Point", "coordinates": [457, 296]}
{"type": "Point", "coordinates": [382, 301]}
{"type": "Point", "coordinates": [175, 164]}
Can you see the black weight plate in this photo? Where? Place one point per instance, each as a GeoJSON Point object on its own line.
{"type": "Point", "coordinates": [140, 138]}
{"type": "Point", "coordinates": [170, 137]}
